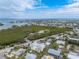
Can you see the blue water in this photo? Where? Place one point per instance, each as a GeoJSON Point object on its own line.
{"type": "Point", "coordinates": [7, 24]}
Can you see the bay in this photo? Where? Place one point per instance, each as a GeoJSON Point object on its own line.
{"type": "Point", "coordinates": [7, 23]}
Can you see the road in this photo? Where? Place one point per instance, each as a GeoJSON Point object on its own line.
{"type": "Point", "coordinates": [2, 55]}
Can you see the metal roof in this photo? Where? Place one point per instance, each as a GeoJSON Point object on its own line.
{"type": "Point", "coordinates": [54, 52]}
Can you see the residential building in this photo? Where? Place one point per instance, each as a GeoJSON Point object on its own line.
{"type": "Point", "coordinates": [55, 53]}
{"type": "Point", "coordinates": [19, 52]}
{"type": "Point", "coordinates": [30, 56]}
{"type": "Point", "coordinates": [39, 47]}
{"type": "Point", "coordinates": [73, 55]}
{"type": "Point", "coordinates": [47, 57]}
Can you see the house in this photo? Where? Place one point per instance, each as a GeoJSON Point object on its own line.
{"type": "Point", "coordinates": [76, 30]}
{"type": "Point", "coordinates": [8, 50]}
{"type": "Point", "coordinates": [73, 55]}
{"type": "Point", "coordinates": [61, 47]}
{"type": "Point", "coordinates": [74, 40]}
{"type": "Point", "coordinates": [43, 31]}
{"type": "Point", "coordinates": [39, 47]}
{"type": "Point", "coordinates": [60, 42]}
{"type": "Point", "coordinates": [15, 54]}
{"type": "Point", "coordinates": [60, 37]}
{"type": "Point", "coordinates": [30, 56]}
{"type": "Point", "coordinates": [48, 42]}
{"type": "Point", "coordinates": [10, 55]}
{"type": "Point", "coordinates": [25, 44]}
{"type": "Point", "coordinates": [19, 52]}
{"type": "Point", "coordinates": [55, 53]}
{"type": "Point", "coordinates": [47, 57]}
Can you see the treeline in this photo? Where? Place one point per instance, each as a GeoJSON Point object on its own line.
{"type": "Point", "coordinates": [17, 34]}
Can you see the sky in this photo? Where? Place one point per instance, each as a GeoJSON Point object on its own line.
{"type": "Point", "coordinates": [31, 9]}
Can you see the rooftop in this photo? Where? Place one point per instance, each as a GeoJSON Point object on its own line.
{"type": "Point", "coordinates": [54, 52]}
{"type": "Point", "coordinates": [30, 56]}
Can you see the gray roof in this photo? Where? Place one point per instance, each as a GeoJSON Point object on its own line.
{"type": "Point", "coordinates": [54, 52]}
{"type": "Point", "coordinates": [30, 56]}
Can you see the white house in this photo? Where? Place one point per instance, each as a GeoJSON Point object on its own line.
{"type": "Point", "coordinates": [47, 57]}
{"type": "Point", "coordinates": [30, 56]}
{"type": "Point", "coordinates": [61, 47]}
{"type": "Point", "coordinates": [15, 54]}
{"type": "Point", "coordinates": [41, 32]}
{"type": "Point", "coordinates": [73, 55]}
{"type": "Point", "coordinates": [48, 42]}
{"type": "Point", "coordinates": [10, 55]}
{"type": "Point", "coordinates": [8, 50]}
{"type": "Point", "coordinates": [19, 52]}
{"type": "Point", "coordinates": [76, 30]}
{"type": "Point", "coordinates": [60, 42]}
{"type": "Point", "coordinates": [55, 53]}
{"type": "Point", "coordinates": [39, 47]}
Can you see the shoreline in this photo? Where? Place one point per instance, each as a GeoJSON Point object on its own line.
{"type": "Point", "coordinates": [9, 25]}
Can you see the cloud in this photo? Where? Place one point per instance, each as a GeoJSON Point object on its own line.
{"type": "Point", "coordinates": [18, 8]}
{"type": "Point", "coordinates": [36, 9]}
{"type": "Point", "coordinates": [21, 5]}
{"type": "Point", "coordinates": [68, 11]}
